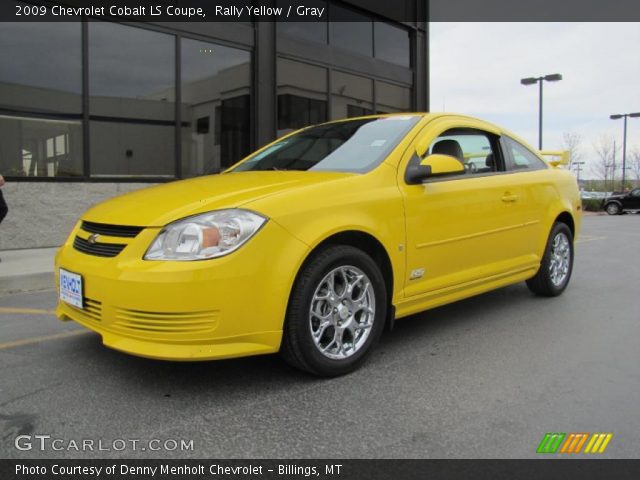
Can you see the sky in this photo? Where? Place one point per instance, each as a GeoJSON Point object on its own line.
{"type": "Point", "coordinates": [475, 69]}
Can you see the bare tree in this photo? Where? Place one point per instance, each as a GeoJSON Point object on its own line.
{"type": "Point", "coordinates": [572, 141]}
{"type": "Point", "coordinates": [634, 164]}
{"type": "Point", "coordinates": [604, 166]}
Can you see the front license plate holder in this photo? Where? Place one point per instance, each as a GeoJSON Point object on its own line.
{"type": "Point", "coordinates": [71, 288]}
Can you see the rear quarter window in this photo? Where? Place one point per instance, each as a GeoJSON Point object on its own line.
{"type": "Point", "coordinates": [520, 158]}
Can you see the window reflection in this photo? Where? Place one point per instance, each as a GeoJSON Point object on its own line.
{"type": "Point", "coordinates": [392, 44]}
{"type": "Point", "coordinates": [216, 106]}
{"type": "Point", "coordinates": [353, 32]}
{"type": "Point", "coordinates": [132, 91]}
{"type": "Point", "coordinates": [34, 147]}
{"type": "Point", "coordinates": [302, 95]}
{"type": "Point", "coordinates": [315, 31]}
{"type": "Point", "coordinates": [352, 95]}
{"type": "Point", "coordinates": [40, 99]}
{"type": "Point", "coordinates": [392, 98]}
{"type": "Point", "coordinates": [37, 75]}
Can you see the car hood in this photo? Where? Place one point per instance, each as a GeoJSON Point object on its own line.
{"type": "Point", "coordinates": [156, 206]}
{"type": "Point", "coordinates": [615, 197]}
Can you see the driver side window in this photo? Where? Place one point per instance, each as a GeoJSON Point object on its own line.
{"type": "Point", "coordinates": [473, 148]}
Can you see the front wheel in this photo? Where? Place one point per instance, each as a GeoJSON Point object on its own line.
{"type": "Point", "coordinates": [336, 312]}
{"type": "Point", "coordinates": [556, 265]}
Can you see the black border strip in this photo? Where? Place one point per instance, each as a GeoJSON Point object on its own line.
{"type": "Point", "coordinates": [403, 11]}
{"type": "Point", "coordinates": [583, 469]}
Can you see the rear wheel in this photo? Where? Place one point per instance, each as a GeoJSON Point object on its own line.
{"type": "Point", "coordinates": [556, 265]}
{"type": "Point", "coordinates": [613, 209]}
{"type": "Point", "coordinates": [336, 312]}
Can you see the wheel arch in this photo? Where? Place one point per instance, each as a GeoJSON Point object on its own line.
{"type": "Point", "coordinates": [566, 218]}
{"type": "Point", "coordinates": [369, 244]}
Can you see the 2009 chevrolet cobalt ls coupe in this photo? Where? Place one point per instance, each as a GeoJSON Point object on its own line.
{"type": "Point", "coordinates": [317, 241]}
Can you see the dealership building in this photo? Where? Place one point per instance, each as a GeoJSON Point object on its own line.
{"type": "Point", "coordinates": [89, 110]}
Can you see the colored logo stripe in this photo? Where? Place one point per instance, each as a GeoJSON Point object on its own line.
{"type": "Point", "coordinates": [550, 442]}
{"type": "Point", "coordinates": [573, 442]}
{"type": "Point", "coordinates": [598, 443]}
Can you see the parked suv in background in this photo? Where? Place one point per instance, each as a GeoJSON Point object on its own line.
{"type": "Point", "coordinates": [622, 202]}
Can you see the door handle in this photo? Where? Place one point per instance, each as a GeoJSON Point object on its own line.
{"type": "Point", "coordinates": [509, 198]}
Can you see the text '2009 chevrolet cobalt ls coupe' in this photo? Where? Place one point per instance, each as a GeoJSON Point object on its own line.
{"type": "Point", "coordinates": [317, 241]}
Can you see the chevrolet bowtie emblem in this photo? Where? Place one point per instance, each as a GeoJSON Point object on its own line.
{"type": "Point", "coordinates": [93, 238]}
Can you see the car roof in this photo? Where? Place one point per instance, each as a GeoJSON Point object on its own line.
{"type": "Point", "coordinates": [473, 122]}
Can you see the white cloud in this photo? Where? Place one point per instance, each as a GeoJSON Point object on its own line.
{"type": "Point", "coordinates": [476, 70]}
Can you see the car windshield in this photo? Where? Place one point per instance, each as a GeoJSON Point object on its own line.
{"type": "Point", "coordinates": [350, 146]}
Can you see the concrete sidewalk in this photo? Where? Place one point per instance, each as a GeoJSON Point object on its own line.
{"type": "Point", "coordinates": [27, 269]}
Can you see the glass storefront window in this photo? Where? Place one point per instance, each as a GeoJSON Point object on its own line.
{"type": "Point", "coordinates": [132, 126]}
{"type": "Point", "coordinates": [313, 31]}
{"type": "Point", "coordinates": [132, 94]}
{"type": "Point", "coordinates": [354, 32]}
{"type": "Point", "coordinates": [392, 98]}
{"type": "Point", "coordinates": [216, 106]}
{"type": "Point", "coordinates": [302, 95]}
{"type": "Point", "coordinates": [392, 44]}
{"type": "Point", "coordinates": [40, 99]}
{"type": "Point", "coordinates": [351, 95]}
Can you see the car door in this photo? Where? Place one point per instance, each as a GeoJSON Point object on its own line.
{"type": "Point", "coordinates": [462, 230]}
{"type": "Point", "coordinates": [632, 200]}
{"type": "Point", "coordinates": [535, 181]}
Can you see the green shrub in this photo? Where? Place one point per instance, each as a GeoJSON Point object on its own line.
{"type": "Point", "coordinates": [592, 204]}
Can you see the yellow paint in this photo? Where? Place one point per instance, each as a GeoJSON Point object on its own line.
{"type": "Point", "coordinates": [482, 232]}
{"type": "Point", "coordinates": [27, 311]}
{"type": "Point", "coordinates": [555, 158]}
{"type": "Point", "coordinates": [45, 338]}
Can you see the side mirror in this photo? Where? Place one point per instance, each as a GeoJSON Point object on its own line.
{"type": "Point", "coordinates": [434, 165]}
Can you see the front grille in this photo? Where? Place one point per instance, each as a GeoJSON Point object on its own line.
{"type": "Point", "coordinates": [98, 249]}
{"type": "Point", "coordinates": [91, 311]}
{"type": "Point", "coordinates": [165, 322]}
{"type": "Point", "coordinates": [111, 230]}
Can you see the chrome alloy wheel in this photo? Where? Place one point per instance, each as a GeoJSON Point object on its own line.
{"type": "Point", "coordinates": [560, 259]}
{"type": "Point", "coordinates": [342, 312]}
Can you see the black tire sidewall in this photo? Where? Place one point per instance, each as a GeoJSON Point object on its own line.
{"type": "Point", "coordinates": [313, 273]}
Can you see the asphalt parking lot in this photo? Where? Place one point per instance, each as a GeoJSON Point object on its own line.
{"type": "Point", "coordinates": [483, 378]}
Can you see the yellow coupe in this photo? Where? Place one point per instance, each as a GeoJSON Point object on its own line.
{"type": "Point", "coordinates": [316, 242]}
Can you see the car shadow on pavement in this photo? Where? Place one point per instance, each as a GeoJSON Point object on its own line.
{"type": "Point", "coordinates": [166, 377]}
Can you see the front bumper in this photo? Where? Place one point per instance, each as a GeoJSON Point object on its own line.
{"type": "Point", "coordinates": [225, 307]}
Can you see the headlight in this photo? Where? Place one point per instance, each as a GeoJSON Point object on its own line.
{"type": "Point", "coordinates": [208, 235]}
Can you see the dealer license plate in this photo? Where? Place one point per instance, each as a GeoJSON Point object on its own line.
{"type": "Point", "coordinates": [71, 288]}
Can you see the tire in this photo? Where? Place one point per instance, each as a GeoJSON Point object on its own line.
{"type": "Point", "coordinates": [556, 265]}
{"type": "Point", "coordinates": [613, 209]}
{"type": "Point", "coordinates": [324, 315]}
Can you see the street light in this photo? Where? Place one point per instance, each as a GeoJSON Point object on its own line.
{"type": "Point", "coordinates": [578, 167]}
{"type": "Point", "coordinates": [554, 77]}
{"type": "Point", "coordinates": [618, 116]}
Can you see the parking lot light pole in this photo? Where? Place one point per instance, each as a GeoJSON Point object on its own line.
{"type": "Point", "coordinates": [624, 139]}
{"type": "Point", "coordinates": [578, 166]}
{"type": "Point", "coordinates": [554, 77]}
